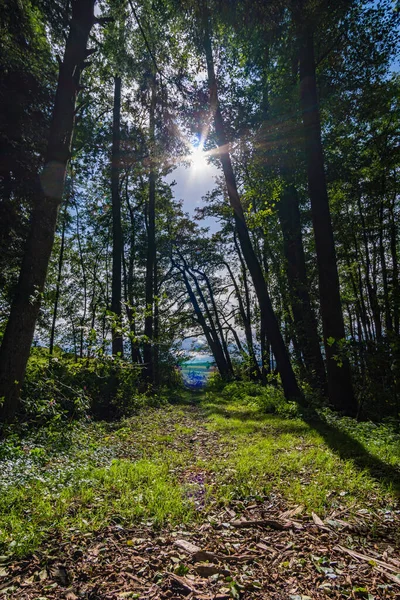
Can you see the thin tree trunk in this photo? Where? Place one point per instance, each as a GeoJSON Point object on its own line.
{"type": "Point", "coordinates": [117, 245]}
{"type": "Point", "coordinates": [217, 319]}
{"type": "Point", "coordinates": [382, 254]}
{"type": "Point", "coordinates": [58, 284]}
{"type": "Point", "coordinates": [268, 319]}
{"type": "Point", "coordinates": [373, 300]}
{"type": "Point", "coordinates": [339, 376]}
{"type": "Point", "coordinates": [218, 350]}
{"type": "Point", "coordinates": [395, 267]}
{"type": "Point", "coordinates": [130, 299]}
{"type": "Point", "coordinates": [304, 320]}
{"type": "Point", "coordinates": [148, 355]}
{"type": "Point", "coordinates": [156, 326]}
{"type": "Point", "coordinates": [84, 281]}
{"type": "Point", "coordinates": [254, 368]}
{"type": "Point", "coordinates": [20, 328]}
{"type": "Point", "coordinates": [203, 324]}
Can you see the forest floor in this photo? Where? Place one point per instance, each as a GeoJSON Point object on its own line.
{"type": "Point", "coordinates": [203, 500]}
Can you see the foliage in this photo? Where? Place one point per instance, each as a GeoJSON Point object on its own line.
{"type": "Point", "coordinates": [65, 388]}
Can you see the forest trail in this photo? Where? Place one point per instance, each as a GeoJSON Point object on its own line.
{"type": "Point", "coordinates": [171, 517]}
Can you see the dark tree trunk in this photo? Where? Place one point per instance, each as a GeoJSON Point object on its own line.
{"type": "Point", "coordinates": [382, 254]}
{"type": "Point", "coordinates": [129, 279]}
{"type": "Point", "coordinates": [304, 320]}
{"type": "Point", "coordinates": [395, 266]}
{"type": "Point", "coordinates": [82, 320]}
{"type": "Point", "coordinates": [216, 352]}
{"type": "Point", "coordinates": [372, 295]}
{"type": "Point", "coordinates": [20, 328]}
{"type": "Point", "coordinates": [217, 344]}
{"type": "Point", "coordinates": [58, 284]}
{"type": "Point", "coordinates": [339, 376]}
{"type": "Point", "coordinates": [156, 326]}
{"type": "Point", "coordinates": [148, 355]}
{"type": "Point", "coordinates": [117, 241]}
{"type": "Point", "coordinates": [254, 368]}
{"type": "Point", "coordinates": [217, 320]}
{"type": "Point", "coordinates": [269, 322]}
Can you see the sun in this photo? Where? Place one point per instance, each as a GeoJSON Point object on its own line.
{"type": "Point", "coordinates": [198, 158]}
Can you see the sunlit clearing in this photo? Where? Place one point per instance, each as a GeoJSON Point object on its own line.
{"type": "Point", "coordinates": [198, 158]}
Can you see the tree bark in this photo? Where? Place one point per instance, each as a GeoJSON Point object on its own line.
{"type": "Point", "coordinates": [304, 320]}
{"type": "Point", "coordinates": [129, 280]}
{"type": "Point", "coordinates": [395, 268]}
{"type": "Point", "coordinates": [339, 376]}
{"type": "Point", "coordinates": [148, 355]}
{"type": "Point", "coordinates": [82, 320]}
{"type": "Point", "coordinates": [254, 368]}
{"type": "Point", "coordinates": [117, 240]}
{"type": "Point", "coordinates": [20, 328]}
{"type": "Point", "coordinates": [58, 284]}
{"type": "Point", "coordinates": [372, 295]}
{"type": "Point", "coordinates": [268, 319]}
{"type": "Point", "coordinates": [217, 320]}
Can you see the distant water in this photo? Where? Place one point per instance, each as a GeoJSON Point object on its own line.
{"type": "Point", "coordinates": [196, 373]}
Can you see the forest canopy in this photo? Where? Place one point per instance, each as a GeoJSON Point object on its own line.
{"type": "Point", "coordinates": [104, 273]}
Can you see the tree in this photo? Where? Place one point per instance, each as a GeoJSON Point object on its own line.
{"type": "Point", "coordinates": [117, 241]}
{"type": "Point", "coordinates": [269, 322]}
{"type": "Point", "coordinates": [339, 377]}
{"type": "Point", "coordinates": [20, 328]}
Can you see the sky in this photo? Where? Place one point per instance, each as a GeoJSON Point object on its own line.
{"type": "Point", "coordinates": [194, 182]}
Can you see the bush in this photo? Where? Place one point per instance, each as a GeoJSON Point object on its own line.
{"type": "Point", "coordinates": [104, 387]}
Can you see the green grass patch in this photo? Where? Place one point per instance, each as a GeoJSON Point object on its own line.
{"type": "Point", "coordinates": [125, 492]}
{"type": "Point", "coordinates": [271, 453]}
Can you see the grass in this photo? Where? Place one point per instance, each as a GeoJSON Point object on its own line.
{"type": "Point", "coordinates": [289, 457]}
{"type": "Point", "coordinates": [59, 481]}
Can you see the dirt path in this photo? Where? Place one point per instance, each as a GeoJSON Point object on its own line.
{"type": "Point", "coordinates": [250, 549]}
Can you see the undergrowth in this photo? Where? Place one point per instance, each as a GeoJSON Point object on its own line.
{"type": "Point", "coordinates": [78, 478]}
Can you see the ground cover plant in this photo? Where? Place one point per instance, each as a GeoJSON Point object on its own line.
{"type": "Point", "coordinates": [209, 464]}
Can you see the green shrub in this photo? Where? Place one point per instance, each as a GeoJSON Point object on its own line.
{"type": "Point", "coordinates": [104, 387]}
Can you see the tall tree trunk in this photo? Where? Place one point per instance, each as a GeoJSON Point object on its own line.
{"type": "Point", "coordinates": [395, 267]}
{"type": "Point", "coordinates": [304, 320]}
{"type": "Point", "coordinates": [117, 241]}
{"type": "Point", "coordinates": [339, 376]}
{"type": "Point", "coordinates": [156, 325]}
{"type": "Point", "coordinates": [84, 282]}
{"type": "Point", "coordinates": [254, 368]}
{"type": "Point", "coordinates": [217, 319]}
{"type": "Point", "coordinates": [382, 254]}
{"type": "Point", "coordinates": [58, 284]}
{"type": "Point", "coordinates": [148, 355]}
{"type": "Point", "coordinates": [372, 295]}
{"type": "Point", "coordinates": [216, 352]}
{"type": "Point", "coordinates": [268, 320]}
{"type": "Point", "coordinates": [20, 328]}
{"type": "Point", "coordinates": [129, 278]}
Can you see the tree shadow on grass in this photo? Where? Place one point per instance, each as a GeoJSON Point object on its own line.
{"type": "Point", "coordinates": [255, 421]}
{"type": "Point", "coordinates": [341, 442]}
{"type": "Point", "coordinates": [348, 448]}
